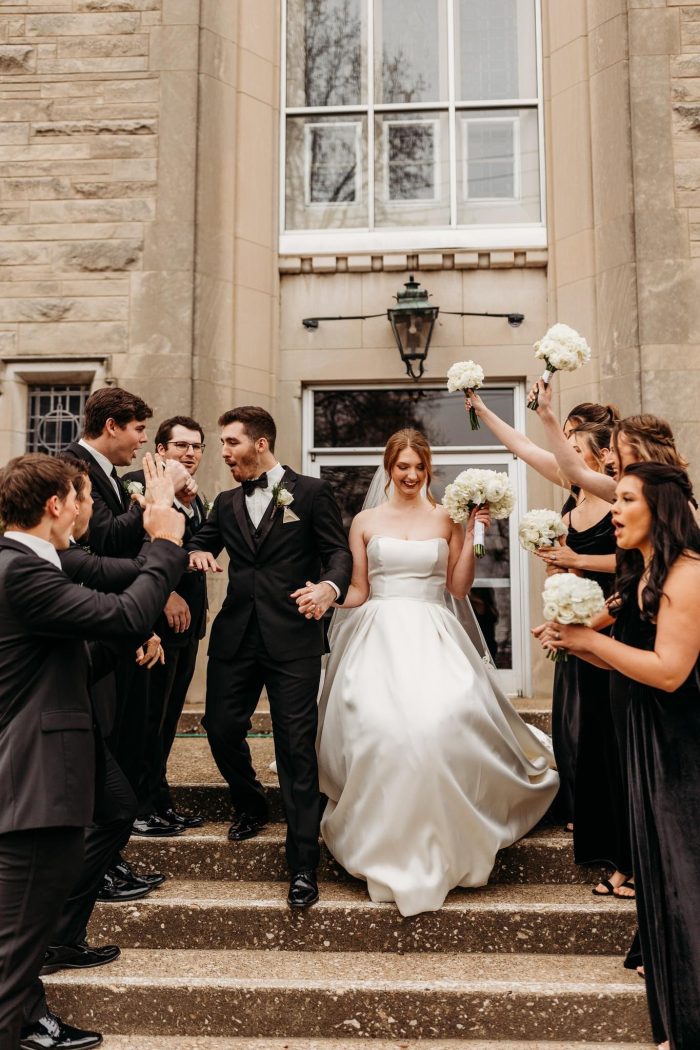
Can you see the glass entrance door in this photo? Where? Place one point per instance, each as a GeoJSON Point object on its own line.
{"type": "Point", "coordinates": [345, 431]}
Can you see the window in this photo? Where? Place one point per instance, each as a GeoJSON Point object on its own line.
{"type": "Point", "coordinates": [54, 415]}
{"type": "Point", "coordinates": [345, 430]}
{"type": "Point", "coordinates": [420, 115]}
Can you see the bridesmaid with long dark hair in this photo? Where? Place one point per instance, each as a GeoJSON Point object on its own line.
{"type": "Point", "coordinates": [655, 657]}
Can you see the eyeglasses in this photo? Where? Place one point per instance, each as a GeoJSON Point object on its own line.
{"type": "Point", "coordinates": [182, 446]}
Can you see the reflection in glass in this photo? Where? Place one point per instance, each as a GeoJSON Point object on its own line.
{"type": "Point", "coordinates": [367, 418]}
{"type": "Point", "coordinates": [412, 169]}
{"type": "Point", "coordinates": [499, 171]}
{"type": "Point", "coordinates": [350, 485]}
{"type": "Point", "coordinates": [409, 49]}
{"type": "Point", "coordinates": [324, 52]}
{"type": "Point", "coordinates": [496, 51]}
{"type": "Point", "coordinates": [326, 179]}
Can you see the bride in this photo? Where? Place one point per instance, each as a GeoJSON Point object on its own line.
{"type": "Point", "coordinates": [428, 769]}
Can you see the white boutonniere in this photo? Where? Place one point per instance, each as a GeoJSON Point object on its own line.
{"type": "Point", "coordinates": [132, 488]}
{"type": "Point", "coordinates": [282, 497]}
{"type": "Point", "coordinates": [207, 504]}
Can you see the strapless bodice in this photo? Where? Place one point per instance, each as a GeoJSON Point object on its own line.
{"type": "Point", "coordinates": [407, 568]}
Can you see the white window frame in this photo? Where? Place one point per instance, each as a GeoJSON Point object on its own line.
{"type": "Point", "coordinates": [517, 680]}
{"type": "Point", "coordinates": [390, 202]}
{"type": "Point", "coordinates": [518, 236]}
{"type": "Point", "coordinates": [517, 159]}
{"type": "Point", "coordinates": [21, 373]}
{"type": "Point", "coordinates": [308, 128]}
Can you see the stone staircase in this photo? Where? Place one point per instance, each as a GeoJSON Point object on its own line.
{"type": "Point", "coordinates": [215, 960]}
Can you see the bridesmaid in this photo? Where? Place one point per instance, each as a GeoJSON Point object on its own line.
{"type": "Point", "coordinates": [592, 797]}
{"type": "Point", "coordinates": [655, 659]}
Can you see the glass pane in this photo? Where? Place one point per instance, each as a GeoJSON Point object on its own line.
{"type": "Point", "coordinates": [410, 51]}
{"type": "Point", "coordinates": [54, 416]}
{"type": "Point", "coordinates": [499, 176]}
{"type": "Point", "coordinates": [326, 181]}
{"type": "Point", "coordinates": [350, 485]}
{"type": "Point", "coordinates": [412, 169]}
{"type": "Point", "coordinates": [367, 418]}
{"type": "Point", "coordinates": [496, 49]}
{"type": "Point", "coordinates": [325, 43]}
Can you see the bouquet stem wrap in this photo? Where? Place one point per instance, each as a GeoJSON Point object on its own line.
{"type": "Point", "coordinates": [479, 538]}
{"type": "Point", "coordinates": [546, 377]}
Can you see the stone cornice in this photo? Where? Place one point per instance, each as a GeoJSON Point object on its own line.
{"type": "Point", "coordinates": [416, 261]}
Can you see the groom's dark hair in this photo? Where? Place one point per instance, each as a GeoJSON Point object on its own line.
{"type": "Point", "coordinates": [257, 422]}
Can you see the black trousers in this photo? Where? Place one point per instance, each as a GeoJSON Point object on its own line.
{"type": "Point", "coordinates": [168, 692]}
{"type": "Point", "coordinates": [233, 691]}
{"type": "Point", "coordinates": [133, 736]}
{"type": "Point", "coordinates": [115, 808]}
{"type": "Point", "coordinates": [37, 870]}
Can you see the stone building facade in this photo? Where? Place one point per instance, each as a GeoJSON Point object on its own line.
{"type": "Point", "coordinates": [142, 238]}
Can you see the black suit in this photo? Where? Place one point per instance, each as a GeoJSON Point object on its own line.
{"type": "Point", "coordinates": [259, 639]}
{"type": "Point", "coordinates": [47, 743]}
{"type": "Point", "coordinates": [170, 681]}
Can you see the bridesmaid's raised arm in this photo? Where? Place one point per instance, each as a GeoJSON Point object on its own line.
{"type": "Point", "coordinates": [519, 444]}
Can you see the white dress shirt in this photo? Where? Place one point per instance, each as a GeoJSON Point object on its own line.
{"type": "Point", "coordinates": [103, 462]}
{"type": "Point", "coordinates": [42, 548]}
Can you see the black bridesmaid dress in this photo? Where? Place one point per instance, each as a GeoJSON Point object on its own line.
{"type": "Point", "coordinates": [663, 767]}
{"type": "Point", "coordinates": [592, 794]}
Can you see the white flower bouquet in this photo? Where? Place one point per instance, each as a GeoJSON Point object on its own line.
{"type": "Point", "coordinates": [540, 528]}
{"type": "Point", "coordinates": [465, 376]}
{"type": "Point", "coordinates": [563, 350]}
{"type": "Point", "coordinates": [570, 599]}
{"type": "Point", "coordinates": [478, 488]}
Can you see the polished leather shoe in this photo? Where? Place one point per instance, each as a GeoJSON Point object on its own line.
{"type": "Point", "coordinates": [303, 889]}
{"type": "Point", "coordinates": [77, 957]}
{"type": "Point", "coordinates": [51, 1033]}
{"type": "Point", "coordinates": [181, 819]}
{"type": "Point", "coordinates": [245, 827]}
{"type": "Point", "coordinates": [115, 889]}
{"type": "Point", "coordinates": [155, 827]}
{"type": "Point", "coordinates": [123, 870]}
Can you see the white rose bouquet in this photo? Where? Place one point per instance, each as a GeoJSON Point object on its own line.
{"type": "Point", "coordinates": [465, 376]}
{"type": "Point", "coordinates": [571, 599]}
{"type": "Point", "coordinates": [563, 350]}
{"type": "Point", "coordinates": [540, 528]}
{"type": "Point", "coordinates": [478, 488]}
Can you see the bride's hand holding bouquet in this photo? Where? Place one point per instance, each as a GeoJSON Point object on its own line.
{"type": "Point", "coordinates": [476, 488]}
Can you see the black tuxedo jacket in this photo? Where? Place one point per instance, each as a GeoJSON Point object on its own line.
{"type": "Point", "coordinates": [263, 574]}
{"type": "Point", "coordinates": [116, 525]}
{"type": "Point", "coordinates": [192, 586]}
{"type": "Point", "coordinates": [47, 739]}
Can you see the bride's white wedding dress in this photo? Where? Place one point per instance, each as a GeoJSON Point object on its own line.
{"type": "Point", "coordinates": [428, 769]}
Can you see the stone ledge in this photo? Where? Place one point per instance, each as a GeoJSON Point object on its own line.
{"type": "Point", "coordinates": [361, 262]}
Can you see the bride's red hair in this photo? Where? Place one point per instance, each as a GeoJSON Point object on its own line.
{"type": "Point", "coordinates": [413, 439]}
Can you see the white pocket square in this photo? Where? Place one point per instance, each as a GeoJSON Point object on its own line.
{"type": "Point", "coordinates": [288, 516]}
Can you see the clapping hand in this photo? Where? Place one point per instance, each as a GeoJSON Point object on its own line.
{"type": "Point", "coordinates": [160, 490]}
{"type": "Point", "coordinates": [314, 599]}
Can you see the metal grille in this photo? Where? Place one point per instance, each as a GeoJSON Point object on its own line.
{"type": "Point", "coordinates": [54, 415]}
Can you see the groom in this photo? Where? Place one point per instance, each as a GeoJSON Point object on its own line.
{"type": "Point", "coordinates": [280, 530]}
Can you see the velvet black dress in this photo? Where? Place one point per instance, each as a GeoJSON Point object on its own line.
{"type": "Point", "coordinates": [663, 766]}
{"type": "Point", "coordinates": [592, 793]}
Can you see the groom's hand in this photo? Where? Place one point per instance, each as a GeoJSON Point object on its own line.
{"type": "Point", "coordinates": [314, 600]}
{"type": "Point", "coordinates": [203, 561]}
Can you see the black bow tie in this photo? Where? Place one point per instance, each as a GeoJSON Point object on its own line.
{"type": "Point", "coordinates": [251, 484]}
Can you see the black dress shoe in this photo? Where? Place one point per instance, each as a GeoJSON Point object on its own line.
{"type": "Point", "coordinates": [123, 870]}
{"type": "Point", "coordinates": [303, 889]}
{"type": "Point", "coordinates": [155, 827]}
{"type": "Point", "coordinates": [77, 957]}
{"type": "Point", "coordinates": [181, 819]}
{"type": "Point", "coordinates": [51, 1033]}
{"type": "Point", "coordinates": [245, 827]}
{"type": "Point", "coordinates": [115, 889]}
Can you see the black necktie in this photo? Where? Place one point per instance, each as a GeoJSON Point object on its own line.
{"type": "Point", "coordinates": [120, 494]}
{"type": "Point", "coordinates": [251, 484]}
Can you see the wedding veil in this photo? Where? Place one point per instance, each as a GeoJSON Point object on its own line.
{"type": "Point", "coordinates": [378, 493]}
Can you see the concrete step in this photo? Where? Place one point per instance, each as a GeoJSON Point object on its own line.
{"type": "Point", "coordinates": [536, 711]}
{"type": "Point", "coordinates": [126, 1042]}
{"type": "Point", "coordinates": [307, 995]}
{"type": "Point", "coordinates": [199, 788]}
{"type": "Point", "coordinates": [544, 856]}
{"type": "Point", "coordinates": [508, 919]}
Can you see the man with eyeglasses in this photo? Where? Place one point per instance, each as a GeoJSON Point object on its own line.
{"type": "Point", "coordinates": [181, 628]}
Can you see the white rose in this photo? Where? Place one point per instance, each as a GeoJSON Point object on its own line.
{"type": "Point", "coordinates": [284, 498]}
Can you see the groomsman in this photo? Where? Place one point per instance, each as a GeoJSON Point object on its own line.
{"type": "Point", "coordinates": [181, 628]}
{"type": "Point", "coordinates": [280, 530]}
{"type": "Point", "coordinates": [48, 742]}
